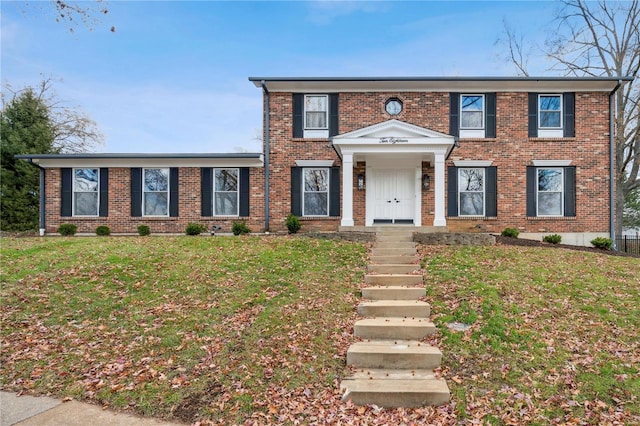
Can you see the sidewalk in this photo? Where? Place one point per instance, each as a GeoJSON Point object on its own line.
{"type": "Point", "coordinates": [43, 411]}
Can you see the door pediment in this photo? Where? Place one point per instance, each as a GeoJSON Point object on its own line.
{"type": "Point", "coordinates": [392, 128]}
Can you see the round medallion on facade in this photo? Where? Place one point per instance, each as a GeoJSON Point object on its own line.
{"type": "Point", "coordinates": [393, 106]}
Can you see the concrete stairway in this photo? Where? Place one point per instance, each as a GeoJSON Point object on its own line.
{"type": "Point", "coordinates": [392, 366]}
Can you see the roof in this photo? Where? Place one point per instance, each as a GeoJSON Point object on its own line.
{"type": "Point", "coordinates": [242, 159]}
{"type": "Point", "coordinates": [438, 84]}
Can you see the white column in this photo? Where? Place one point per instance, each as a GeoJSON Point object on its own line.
{"type": "Point", "coordinates": [440, 219]}
{"type": "Point", "coordinates": [417, 191]}
{"type": "Point", "coordinates": [347, 190]}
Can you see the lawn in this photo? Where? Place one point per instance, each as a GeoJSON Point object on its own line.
{"type": "Point", "coordinates": [254, 330]}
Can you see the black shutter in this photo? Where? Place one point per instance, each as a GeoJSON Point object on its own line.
{"type": "Point", "coordinates": [569, 100]}
{"type": "Point", "coordinates": [334, 192]}
{"type": "Point", "coordinates": [296, 191]}
{"type": "Point", "coordinates": [298, 111]}
{"type": "Point", "coordinates": [66, 193]}
{"type": "Point", "coordinates": [454, 114]}
{"type": "Point", "coordinates": [452, 191]}
{"type": "Point", "coordinates": [333, 114]}
{"type": "Point", "coordinates": [206, 190]}
{"type": "Point", "coordinates": [533, 115]}
{"type": "Point", "coordinates": [490, 119]}
{"type": "Point", "coordinates": [570, 191]}
{"type": "Point", "coordinates": [173, 192]}
{"type": "Point", "coordinates": [136, 192]}
{"type": "Point", "coordinates": [532, 181]}
{"type": "Point", "coordinates": [491, 203]}
{"type": "Point", "coordinates": [244, 192]}
{"type": "Point", "coordinates": [104, 192]}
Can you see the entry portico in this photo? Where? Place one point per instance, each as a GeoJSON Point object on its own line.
{"type": "Point", "coordinates": [393, 152]}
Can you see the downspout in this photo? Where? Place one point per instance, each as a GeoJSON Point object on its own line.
{"type": "Point", "coordinates": [612, 174]}
{"type": "Point", "coordinates": [266, 156]}
{"type": "Point", "coordinates": [43, 207]}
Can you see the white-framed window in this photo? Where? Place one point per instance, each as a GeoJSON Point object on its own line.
{"type": "Point", "coordinates": [225, 192]}
{"type": "Point", "coordinates": [315, 192]}
{"type": "Point", "coordinates": [550, 191]}
{"type": "Point", "coordinates": [155, 192]}
{"type": "Point", "coordinates": [472, 112]}
{"type": "Point", "coordinates": [471, 191]}
{"type": "Point", "coordinates": [550, 111]}
{"type": "Point", "coordinates": [316, 112]}
{"type": "Point", "coordinates": [86, 192]}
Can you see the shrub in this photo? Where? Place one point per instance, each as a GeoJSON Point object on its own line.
{"type": "Point", "coordinates": [553, 238]}
{"type": "Point", "coordinates": [510, 232]}
{"type": "Point", "coordinates": [144, 230]}
{"type": "Point", "coordinates": [67, 229]}
{"type": "Point", "coordinates": [602, 243]}
{"type": "Point", "coordinates": [103, 231]}
{"type": "Point", "coordinates": [293, 224]}
{"type": "Point", "coordinates": [240, 228]}
{"type": "Point", "coordinates": [195, 228]}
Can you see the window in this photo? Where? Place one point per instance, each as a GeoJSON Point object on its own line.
{"type": "Point", "coordinates": [225, 188]}
{"type": "Point", "coordinates": [155, 192]}
{"type": "Point", "coordinates": [550, 111]}
{"type": "Point", "coordinates": [471, 186]}
{"type": "Point", "coordinates": [550, 190]}
{"type": "Point", "coordinates": [471, 112]}
{"type": "Point", "coordinates": [315, 111]}
{"type": "Point", "coordinates": [86, 192]}
{"type": "Point", "coordinates": [315, 192]}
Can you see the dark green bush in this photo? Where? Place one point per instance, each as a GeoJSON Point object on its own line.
{"type": "Point", "coordinates": [103, 231]}
{"type": "Point", "coordinates": [144, 230]}
{"type": "Point", "coordinates": [553, 238]}
{"type": "Point", "coordinates": [240, 228]}
{"type": "Point", "coordinates": [293, 224]}
{"type": "Point", "coordinates": [67, 229]}
{"type": "Point", "coordinates": [195, 228]}
{"type": "Point", "coordinates": [602, 243]}
{"type": "Point", "coordinates": [510, 232]}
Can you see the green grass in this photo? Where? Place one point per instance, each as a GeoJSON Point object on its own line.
{"type": "Point", "coordinates": [243, 330]}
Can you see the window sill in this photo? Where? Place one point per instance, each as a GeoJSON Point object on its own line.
{"type": "Point", "coordinates": [472, 218]}
{"type": "Point", "coordinates": [551, 217]}
{"type": "Point", "coordinates": [155, 218]}
{"type": "Point", "coordinates": [552, 139]}
{"type": "Point", "coordinates": [476, 139]}
{"type": "Point", "coordinates": [314, 139]}
{"type": "Point", "coordinates": [319, 217]}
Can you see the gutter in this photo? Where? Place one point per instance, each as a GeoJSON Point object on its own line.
{"type": "Point", "coordinates": [612, 174]}
{"type": "Point", "coordinates": [42, 209]}
{"type": "Point", "coordinates": [267, 149]}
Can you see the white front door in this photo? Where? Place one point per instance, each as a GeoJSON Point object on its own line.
{"type": "Point", "coordinates": [394, 196]}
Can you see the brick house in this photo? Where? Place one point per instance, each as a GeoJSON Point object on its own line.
{"type": "Point", "coordinates": [461, 154]}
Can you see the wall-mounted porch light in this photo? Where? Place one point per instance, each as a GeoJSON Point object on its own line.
{"type": "Point", "coordinates": [426, 181]}
{"type": "Point", "coordinates": [361, 182]}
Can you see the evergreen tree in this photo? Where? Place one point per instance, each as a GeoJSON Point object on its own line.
{"type": "Point", "coordinates": [25, 128]}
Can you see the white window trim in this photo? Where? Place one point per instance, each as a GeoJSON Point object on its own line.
{"type": "Point", "coordinates": [168, 191]}
{"type": "Point", "coordinates": [73, 192]}
{"type": "Point", "coordinates": [328, 170]}
{"type": "Point", "coordinates": [482, 111]}
{"type": "Point", "coordinates": [561, 111]}
{"type": "Point", "coordinates": [473, 163]}
{"type": "Point", "coordinates": [314, 163]}
{"type": "Point", "coordinates": [484, 193]}
{"type": "Point", "coordinates": [304, 112]}
{"type": "Point", "coordinates": [562, 192]}
{"type": "Point", "coordinates": [551, 163]}
{"type": "Point", "coordinates": [237, 191]}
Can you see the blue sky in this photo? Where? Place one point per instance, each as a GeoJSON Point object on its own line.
{"type": "Point", "coordinates": [173, 76]}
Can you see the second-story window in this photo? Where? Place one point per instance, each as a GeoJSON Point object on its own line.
{"type": "Point", "coordinates": [550, 111]}
{"type": "Point", "coordinates": [316, 111]}
{"type": "Point", "coordinates": [471, 112]}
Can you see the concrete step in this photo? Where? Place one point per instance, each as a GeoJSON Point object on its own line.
{"type": "Point", "coordinates": [389, 354]}
{"type": "Point", "coordinates": [395, 308]}
{"type": "Point", "coordinates": [394, 259]}
{"type": "Point", "coordinates": [393, 251]}
{"type": "Point", "coordinates": [395, 392]}
{"type": "Point", "coordinates": [394, 244]}
{"type": "Point", "coordinates": [390, 374]}
{"type": "Point", "coordinates": [393, 279]}
{"type": "Point", "coordinates": [394, 236]}
{"type": "Point", "coordinates": [393, 293]}
{"type": "Point", "coordinates": [397, 268]}
{"type": "Point", "coordinates": [394, 328]}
